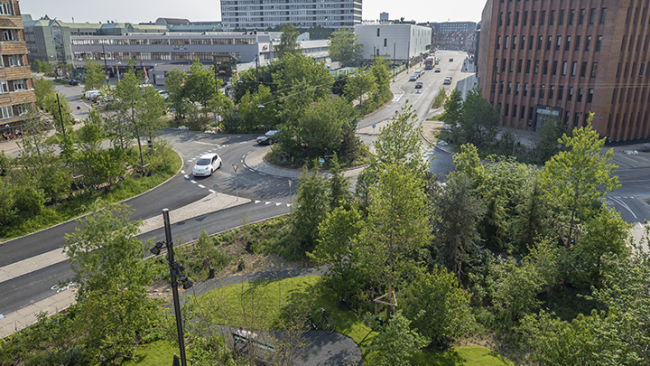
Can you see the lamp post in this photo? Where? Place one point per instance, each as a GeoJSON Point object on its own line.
{"type": "Point", "coordinates": [175, 270]}
{"type": "Point", "coordinates": [58, 102]}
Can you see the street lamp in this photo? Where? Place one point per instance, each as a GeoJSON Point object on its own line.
{"type": "Point", "coordinates": [176, 270]}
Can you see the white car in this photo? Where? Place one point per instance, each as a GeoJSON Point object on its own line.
{"type": "Point", "coordinates": [206, 165]}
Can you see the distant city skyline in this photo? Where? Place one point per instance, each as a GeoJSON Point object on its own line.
{"type": "Point", "coordinates": [141, 11]}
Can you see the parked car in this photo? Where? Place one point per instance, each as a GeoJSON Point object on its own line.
{"type": "Point", "coordinates": [437, 69]}
{"type": "Point", "coordinates": [268, 138]}
{"type": "Point", "coordinates": [451, 60]}
{"type": "Point", "coordinates": [413, 77]}
{"type": "Point", "coordinates": [418, 85]}
{"type": "Point", "coordinates": [206, 165]}
{"type": "Point", "coordinates": [447, 81]}
{"type": "Point", "coordinates": [417, 74]}
{"type": "Point", "coordinates": [73, 82]}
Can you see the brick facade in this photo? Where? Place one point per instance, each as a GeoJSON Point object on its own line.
{"type": "Point", "coordinates": [16, 87]}
{"type": "Point", "coordinates": [568, 58]}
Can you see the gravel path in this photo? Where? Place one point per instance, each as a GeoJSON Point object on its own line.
{"type": "Point", "coordinates": [324, 349]}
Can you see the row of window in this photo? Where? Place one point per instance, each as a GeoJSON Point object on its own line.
{"type": "Point", "coordinates": [556, 43]}
{"type": "Point", "coordinates": [511, 89]}
{"type": "Point", "coordinates": [630, 96]}
{"type": "Point", "coordinates": [165, 41]}
{"type": "Point", "coordinates": [10, 35]}
{"type": "Point", "coordinates": [11, 111]}
{"type": "Point", "coordinates": [11, 60]}
{"type": "Point", "coordinates": [548, 67]}
{"type": "Point", "coordinates": [179, 56]}
{"type": "Point", "coordinates": [513, 18]}
{"type": "Point", "coordinates": [8, 86]}
{"type": "Point", "coordinates": [577, 120]}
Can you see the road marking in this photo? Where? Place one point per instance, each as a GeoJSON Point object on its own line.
{"type": "Point", "coordinates": [193, 181]}
{"type": "Point", "coordinates": [288, 205]}
{"type": "Point", "coordinates": [278, 203]}
{"type": "Point", "coordinates": [201, 186]}
{"type": "Point", "coordinates": [187, 177]}
{"type": "Point", "coordinates": [205, 143]}
{"type": "Point", "coordinates": [251, 170]}
{"type": "Point", "coordinates": [243, 157]}
{"type": "Point", "coordinates": [397, 97]}
{"type": "Point", "coordinates": [33, 264]}
{"type": "Point", "coordinates": [183, 172]}
{"type": "Point", "coordinates": [262, 174]}
{"type": "Point", "coordinates": [244, 142]}
{"type": "Point", "coordinates": [212, 191]}
{"type": "Point", "coordinates": [625, 206]}
{"type": "Point", "coordinates": [256, 201]}
{"type": "Point", "coordinates": [267, 203]}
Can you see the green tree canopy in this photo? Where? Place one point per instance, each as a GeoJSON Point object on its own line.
{"type": "Point", "coordinates": [288, 41]}
{"type": "Point", "coordinates": [345, 47]}
{"type": "Point", "coordinates": [95, 75]}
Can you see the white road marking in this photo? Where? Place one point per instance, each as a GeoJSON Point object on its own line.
{"type": "Point", "coordinates": [288, 205]}
{"type": "Point", "coordinates": [193, 181]}
{"type": "Point", "coordinates": [211, 191]}
{"type": "Point", "coordinates": [278, 203]}
{"type": "Point", "coordinates": [205, 143]}
{"type": "Point", "coordinates": [244, 142]}
{"type": "Point", "coordinates": [625, 206]}
{"type": "Point", "coordinates": [256, 201]}
{"type": "Point", "coordinates": [267, 203]}
{"type": "Point", "coordinates": [261, 174]}
{"type": "Point", "coordinates": [183, 172]}
{"type": "Point", "coordinates": [397, 97]}
{"type": "Point", "coordinates": [201, 186]}
{"type": "Point", "coordinates": [187, 177]}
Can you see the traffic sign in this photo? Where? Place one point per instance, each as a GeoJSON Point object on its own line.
{"type": "Point", "coordinates": [373, 126]}
{"type": "Point", "coordinates": [235, 166]}
{"type": "Point", "coordinates": [322, 161]}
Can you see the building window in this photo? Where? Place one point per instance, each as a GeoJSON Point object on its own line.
{"type": "Point", "coordinates": [558, 43]}
{"type": "Point", "coordinates": [4, 87]}
{"type": "Point", "coordinates": [542, 18]}
{"type": "Point", "coordinates": [524, 20]}
{"type": "Point", "coordinates": [6, 112]}
{"type": "Point", "coordinates": [542, 89]}
{"type": "Point", "coordinates": [530, 113]}
{"type": "Point", "coordinates": [572, 14]}
{"type": "Point", "coordinates": [15, 60]}
{"type": "Point", "coordinates": [545, 70]}
{"type": "Point", "coordinates": [496, 65]}
{"type": "Point", "coordinates": [522, 111]}
{"type": "Point", "coordinates": [564, 67]}
{"type": "Point", "coordinates": [536, 67]}
{"type": "Point", "coordinates": [581, 18]}
{"type": "Point", "coordinates": [10, 35]}
{"type": "Point", "coordinates": [560, 20]}
{"type": "Point", "coordinates": [567, 44]}
{"type": "Point", "coordinates": [516, 19]}
{"type": "Point", "coordinates": [594, 70]}
{"type": "Point", "coordinates": [551, 92]}
{"type": "Point", "coordinates": [23, 108]}
{"type": "Point", "coordinates": [583, 69]}
{"type": "Point", "coordinates": [577, 47]}
{"type": "Point", "coordinates": [549, 41]}
{"type": "Point", "coordinates": [514, 111]}
{"type": "Point", "coordinates": [500, 22]}
{"type": "Point", "coordinates": [509, 90]}
{"type": "Point", "coordinates": [551, 18]}
{"type": "Point", "coordinates": [503, 65]}
{"type": "Point", "coordinates": [532, 91]}
{"type": "Point", "coordinates": [507, 42]}
{"type": "Point", "coordinates": [533, 18]}
{"type": "Point", "coordinates": [603, 15]}
{"type": "Point", "coordinates": [20, 85]}
{"type": "Point", "coordinates": [519, 65]}
{"type": "Point", "coordinates": [512, 65]}
{"type": "Point", "coordinates": [587, 43]}
{"type": "Point", "coordinates": [554, 68]}
{"type": "Point", "coordinates": [560, 92]}
{"type": "Point", "coordinates": [508, 20]}
{"type": "Point", "coordinates": [385, 43]}
{"type": "Point", "coordinates": [574, 68]}
{"type": "Point", "coordinates": [517, 90]}
{"type": "Point", "coordinates": [5, 9]}
{"type": "Point", "coordinates": [599, 41]}
{"type": "Point", "coordinates": [569, 95]}
{"type": "Point", "coordinates": [530, 43]}
{"type": "Point", "coordinates": [641, 70]}
{"type": "Point", "coordinates": [540, 40]}
{"type": "Point", "coordinates": [590, 96]}
{"type": "Point", "coordinates": [523, 41]}
{"type": "Point", "coordinates": [501, 88]}
{"type": "Point", "coordinates": [526, 90]}
{"type": "Point", "coordinates": [579, 97]}
{"type": "Point", "coordinates": [379, 29]}
{"type": "Point", "coordinates": [505, 111]}
{"type": "Point", "coordinates": [498, 42]}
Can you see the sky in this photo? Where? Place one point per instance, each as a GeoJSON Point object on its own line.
{"type": "Point", "coordinates": [139, 11]}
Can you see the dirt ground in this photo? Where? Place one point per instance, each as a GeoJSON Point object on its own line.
{"type": "Point", "coordinates": [429, 128]}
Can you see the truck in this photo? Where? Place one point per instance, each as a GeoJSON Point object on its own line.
{"type": "Point", "coordinates": [428, 63]}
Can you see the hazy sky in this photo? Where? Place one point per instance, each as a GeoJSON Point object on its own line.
{"type": "Point", "coordinates": [137, 11]}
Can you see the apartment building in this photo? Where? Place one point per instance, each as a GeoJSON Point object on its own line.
{"type": "Point", "coordinates": [16, 89]}
{"type": "Point", "coordinates": [568, 58]}
{"type": "Point", "coordinates": [259, 14]}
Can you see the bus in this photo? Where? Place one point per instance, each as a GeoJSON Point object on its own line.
{"type": "Point", "coordinates": [428, 64]}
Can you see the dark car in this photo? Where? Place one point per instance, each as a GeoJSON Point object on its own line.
{"type": "Point", "coordinates": [451, 60]}
{"type": "Point", "coordinates": [73, 82]}
{"type": "Point", "coordinates": [418, 85]}
{"type": "Point", "coordinates": [268, 138]}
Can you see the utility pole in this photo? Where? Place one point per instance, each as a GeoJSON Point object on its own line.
{"type": "Point", "coordinates": [58, 102]}
{"type": "Point", "coordinates": [257, 75]}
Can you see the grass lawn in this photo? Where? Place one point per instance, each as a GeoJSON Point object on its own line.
{"type": "Point", "coordinates": [265, 302]}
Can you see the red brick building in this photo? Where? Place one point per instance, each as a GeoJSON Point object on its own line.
{"type": "Point", "coordinates": [16, 89]}
{"type": "Point", "coordinates": [568, 58]}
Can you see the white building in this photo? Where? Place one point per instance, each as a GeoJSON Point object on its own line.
{"type": "Point", "coordinates": [301, 13]}
{"type": "Point", "coordinates": [394, 41]}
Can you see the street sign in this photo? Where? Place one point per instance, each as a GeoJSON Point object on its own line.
{"type": "Point", "coordinates": [373, 126]}
{"type": "Point", "coordinates": [235, 166]}
{"type": "Point", "coordinates": [322, 161]}
{"type": "Point", "coordinates": [173, 110]}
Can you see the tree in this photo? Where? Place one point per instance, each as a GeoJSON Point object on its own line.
{"type": "Point", "coordinates": [321, 126]}
{"type": "Point", "coordinates": [469, 164]}
{"type": "Point", "coordinates": [576, 179]}
{"type": "Point", "coordinates": [150, 111]}
{"type": "Point", "coordinates": [397, 228]}
{"type": "Point", "coordinates": [311, 206]}
{"type": "Point", "coordinates": [530, 221]}
{"type": "Point", "coordinates": [288, 41]}
{"type": "Point", "coordinates": [339, 186]}
{"type": "Point", "coordinates": [362, 83]}
{"type": "Point", "coordinates": [111, 277]}
{"type": "Point", "coordinates": [447, 314]}
{"type": "Point", "coordinates": [344, 46]}
{"type": "Point", "coordinates": [200, 85]}
{"type": "Point", "coordinates": [547, 144]}
{"type": "Point", "coordinates": [379, 70]}
{"type": "Point", "coordinates": [395, 345]}
{"type": "Point", "coordinates": [479, 120]}
{"type": "Point", "coordinates": [252, 115]}
{"type": "Point", "coordinates": [174, 85]}
{"type": "Point", "coordinates": [456, 214]}
{"type": "Point", "coordinates": [95, 75]}
{"type": "Point", "coordinates": [42, 88]}
{"type": "Point", "coordinates": [454, 110]}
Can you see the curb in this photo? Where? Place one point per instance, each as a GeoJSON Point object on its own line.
{"type": "Point", "coordinates": [84, 215]}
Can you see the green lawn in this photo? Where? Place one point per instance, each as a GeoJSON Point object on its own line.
{"type": "Point", "coordinates": [265, 302]}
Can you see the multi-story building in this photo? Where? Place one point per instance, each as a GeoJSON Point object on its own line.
{"type": "Point", "coordinates": [453, 35]}
{"type": "Point", "coordinates": [258, 14]}
{"type": "Point", "coordinates": [16, 89]}
{"type": "Point", "coordinates": [393, 41]}
{"type": "Point", "coordinates": [568, 58]}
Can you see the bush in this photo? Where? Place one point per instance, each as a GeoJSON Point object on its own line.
{"type": "Point", "coordinates": [440, 98]}
{"type": "Point", "coordinates": [29, 199]}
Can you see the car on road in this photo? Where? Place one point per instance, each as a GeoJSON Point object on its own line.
{"type": "Point", "coordinates": [447, 81]}
{"type": "Point", "coordinates": [206, 165]}
{"type": "Point", "coordinates": [413, 77]}
{"type": "Point", "coordinates": [268, 138]}
{"type": "Point", "coordinates": [418, 85]}
{"type": "Point", "coordinates": [73, 82]}
{"type": "Point", "coordinates": [163, 94]}
{"type": "Point", "coordinates": [437, 69]}
{"type": "Point", "coordinates": [421, 72]}
{"type": "Point", "coordinates": [451, 60]}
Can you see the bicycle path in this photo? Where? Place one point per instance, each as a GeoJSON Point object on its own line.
{"type": "Point", "coordinates": [324, 349]}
